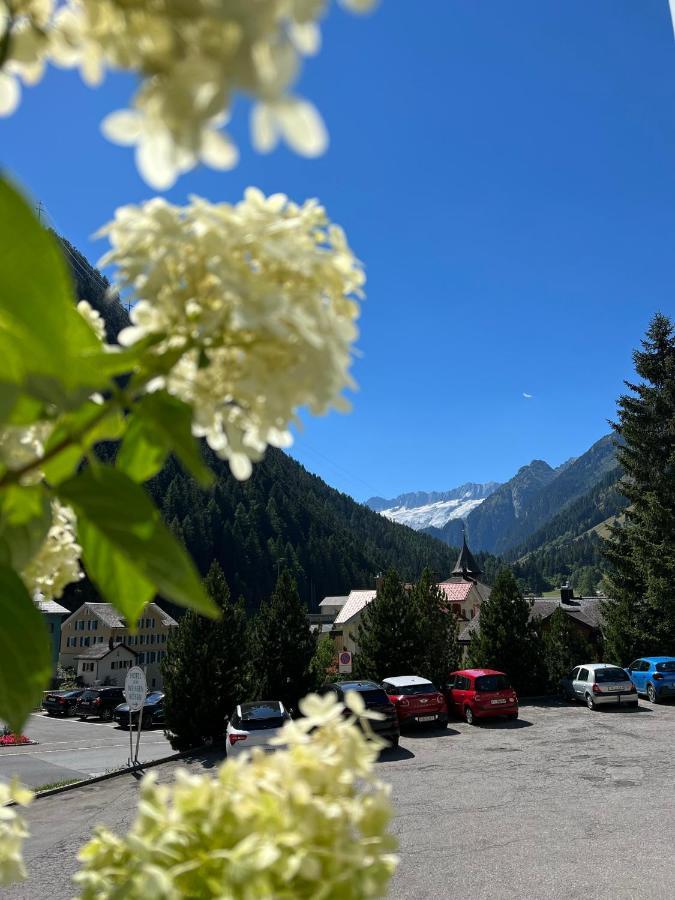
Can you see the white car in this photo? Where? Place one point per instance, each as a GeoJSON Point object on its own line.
{"type": "Point", "coordinates": [254, 725]}
{"type": "Point", "coordinates": [599, 684]}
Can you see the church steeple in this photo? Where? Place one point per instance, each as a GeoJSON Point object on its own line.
{"type": "Point", "coordinates": [466, 566]}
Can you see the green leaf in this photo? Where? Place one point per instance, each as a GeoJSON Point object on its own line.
{"type": "Point", "coordinates": [118, 580]}
{"type": "Point", "coordinates": [143, 451]}
{"type": "Point", "coordinates": [78, 432]}
{"type": "Point", "coordinates": [46, 347]}
{"type": "Point", "coordinates": [25, 517]}
{"type": "Point", "coordinates": [25, 654]}
{"type": "Point", "coordinates": [163, 423]}
{"type": "Point", "coordinates": [129, 526]}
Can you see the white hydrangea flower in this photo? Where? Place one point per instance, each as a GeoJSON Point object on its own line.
{"type": "Point", "coordinates": [13, 832]}
{"type": "Point", "coordinates": [21, 445]}
{"type": "Point", "coordinates": [27, 46]}
{"type": "Point", "coordinates": [311, 820]}
{"type": "Point", "coordinates": [256, 307]}
{"type": "Point", "coordinates": [192, 57]}
{"type": "Point", "coordinates": [57, 562]}
{"type": "Point", "coordinates": [93, 318]}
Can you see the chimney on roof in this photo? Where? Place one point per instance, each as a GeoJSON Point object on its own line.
{"type": "Point", "coordinates": [566, 593]}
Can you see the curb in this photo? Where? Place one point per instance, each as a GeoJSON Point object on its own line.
{"type": "Point", "coordinates": [123, 771]}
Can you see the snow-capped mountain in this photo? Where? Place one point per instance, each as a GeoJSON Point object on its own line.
{"type": "Point", "coordinates": [422, 510]}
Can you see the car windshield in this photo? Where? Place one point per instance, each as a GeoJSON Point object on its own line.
{"type": "Point", "coordinates": [154, 697]}
{"type": "Point", "coordinates": [408, 689]}
{"type": "Point", "coordinates": [602, 676]}
{"type": "Point", "coordinates": [259, 716]}
{"type": "Point", "coordinates": [492, 683]}
{"type": "Point", "coordinates": [89, 695]}
{"type": "Point", "coordinates": [666, 666]}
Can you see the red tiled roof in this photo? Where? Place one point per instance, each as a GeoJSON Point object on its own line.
{"type": "Point", "coordinates": [456, 591]}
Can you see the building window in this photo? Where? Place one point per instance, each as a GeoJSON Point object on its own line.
{"type": "Point", "coordinates": [94, 625]}
{"type": "Point", "coordinates": [86, 641]}
{"type": "Point", "coordinates": [113, 665]}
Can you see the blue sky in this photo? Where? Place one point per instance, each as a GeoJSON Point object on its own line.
{"type": "Point", "coordinates": [506, 170]}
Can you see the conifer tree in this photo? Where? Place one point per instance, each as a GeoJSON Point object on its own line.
{"type": "Point", "coordinates": [204, 668]}
{"type": "Point", "coordinates": [281, 646]}
{"type": "Point", "coordinates": [641, 548]}
{"type": "Point", "coordinates": [563, 648]}
{"type": "Point", "coordinates": [323, 662]}
{"type": "Point", "coordinates": [507, 640]}
{"type": "Point", "coordinates": [390, 637]}
{"type": "Point", "coordinates": [438, 630]}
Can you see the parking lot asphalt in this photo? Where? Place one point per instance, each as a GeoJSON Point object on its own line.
{"type": "Point", "coordinates": [564, 803]}
{"type": "Point", "coordinates": [68, 748]}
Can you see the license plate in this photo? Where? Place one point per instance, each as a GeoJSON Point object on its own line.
{"type": "Point", "coordinates": [426, 718]}
{"type": "Point", "coordinates": [615, 687]}
{"type": "Point", "coordinates": [497, 701]}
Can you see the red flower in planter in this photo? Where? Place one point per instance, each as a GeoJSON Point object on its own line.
{"type": "Point", "coordinates": [13, 740]}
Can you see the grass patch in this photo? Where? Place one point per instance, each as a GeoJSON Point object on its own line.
{"type": "Point", "coordinates": [55, 784]}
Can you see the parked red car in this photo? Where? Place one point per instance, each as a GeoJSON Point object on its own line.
{"type": "Point", "coordinates": [479, 694]}
{"type": "Point", "coordinates": [417, 701]}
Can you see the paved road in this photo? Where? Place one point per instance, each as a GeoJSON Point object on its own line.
{"type": "Point", "coordinates": [563, 804]}
{"type": "Point", "coordinates": [68, 748]}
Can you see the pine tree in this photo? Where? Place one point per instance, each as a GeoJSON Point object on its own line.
{"type": "Point", "coordinates": [281, 646]}
{"type": "Point", "coordinates": [323, 662]}
{"type": "Point", "coordinates": [204, 668]}
{"type": "Point", "coordinates": [438, 630]}
{"type": "Point", "coordinates": [641, 548]}
{"type": "Point", "coordinates": [507, 640]}
{"type": "Point", "coordinates": [390, 637]}
{"type": "Point", "coordinates": [563, 648]}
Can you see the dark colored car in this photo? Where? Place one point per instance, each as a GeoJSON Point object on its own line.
{"type": "Point", "coordinates": [653, 676]}
{"type": "Point", "coordinates": [375, 699]}
{"type": "Point", "coordinates": [153, 712]}
{"type": "Point", "coordinates": [480, 694]}
{"type": "Point", "coordinates": [61, 703]}
{"type": "Point", "coordinates": [99, 702]}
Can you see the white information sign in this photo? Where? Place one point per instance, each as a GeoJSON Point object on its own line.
{"type": "Point", "coordinates": [345, 662]}
{"type": "Point", "coordinates": [135, 689]}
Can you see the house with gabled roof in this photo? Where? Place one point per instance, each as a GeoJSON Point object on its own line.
{"type": "Point", "coordinates": [464, 592]}
{"type": "Point", "coordinates": [101, 625]}
{"type": "Point", "coordinates": [101, 664]}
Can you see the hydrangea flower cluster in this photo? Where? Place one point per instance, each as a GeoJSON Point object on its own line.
{"type": "Point", "coordinates": [192, 56]}
{"type": "Point", "coordinates": [57, 562]}
{"type": "Point", "coordinates": [308, 821]}
{"type": "Point", "coordinates": [24, 37]}
{"type": "Point", "coordinates": [257, 301]}
{"type": "Point", "coordinates": [13, 832]}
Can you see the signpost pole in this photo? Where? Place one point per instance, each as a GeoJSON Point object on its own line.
{"type": "Point", "coordinates": [138, 734]}
{"type": "Point", "coordinates": [135, 692]}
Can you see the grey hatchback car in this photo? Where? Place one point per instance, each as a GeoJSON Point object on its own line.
{"type": "Point", "coordinates": [599, 684]}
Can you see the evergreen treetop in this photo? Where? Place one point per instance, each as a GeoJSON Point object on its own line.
{"type": "Point", "coordinates": [641, 548]}
{"type": "Point", "coordinates": [507, 640]}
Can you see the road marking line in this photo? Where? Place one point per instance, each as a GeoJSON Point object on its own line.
{"type": "Point", "coordinates": [70, 721]}
{"type": "Point", "coordinates": [79, 749]}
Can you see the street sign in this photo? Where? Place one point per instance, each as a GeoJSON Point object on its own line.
{"type": "Point", "coordinates": [345, 662]}
{"type": "Point", "coordinates": [135, 689]}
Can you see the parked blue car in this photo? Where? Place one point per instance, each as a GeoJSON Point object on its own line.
{"type": "Point", "coordinates": [653, 676]}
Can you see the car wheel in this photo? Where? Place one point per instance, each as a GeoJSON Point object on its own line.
{"type": "Point", "coordinates": [469, 716]}
{"type": "Point", "coordinates": [590, 702]}
{"type": "Point", "coordinates": [651, 693]}
{"type": "Point", "coordinates": [107, 715]}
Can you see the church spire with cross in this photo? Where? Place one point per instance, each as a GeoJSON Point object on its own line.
{"type": "Point", "coordinates": [466, 566]}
